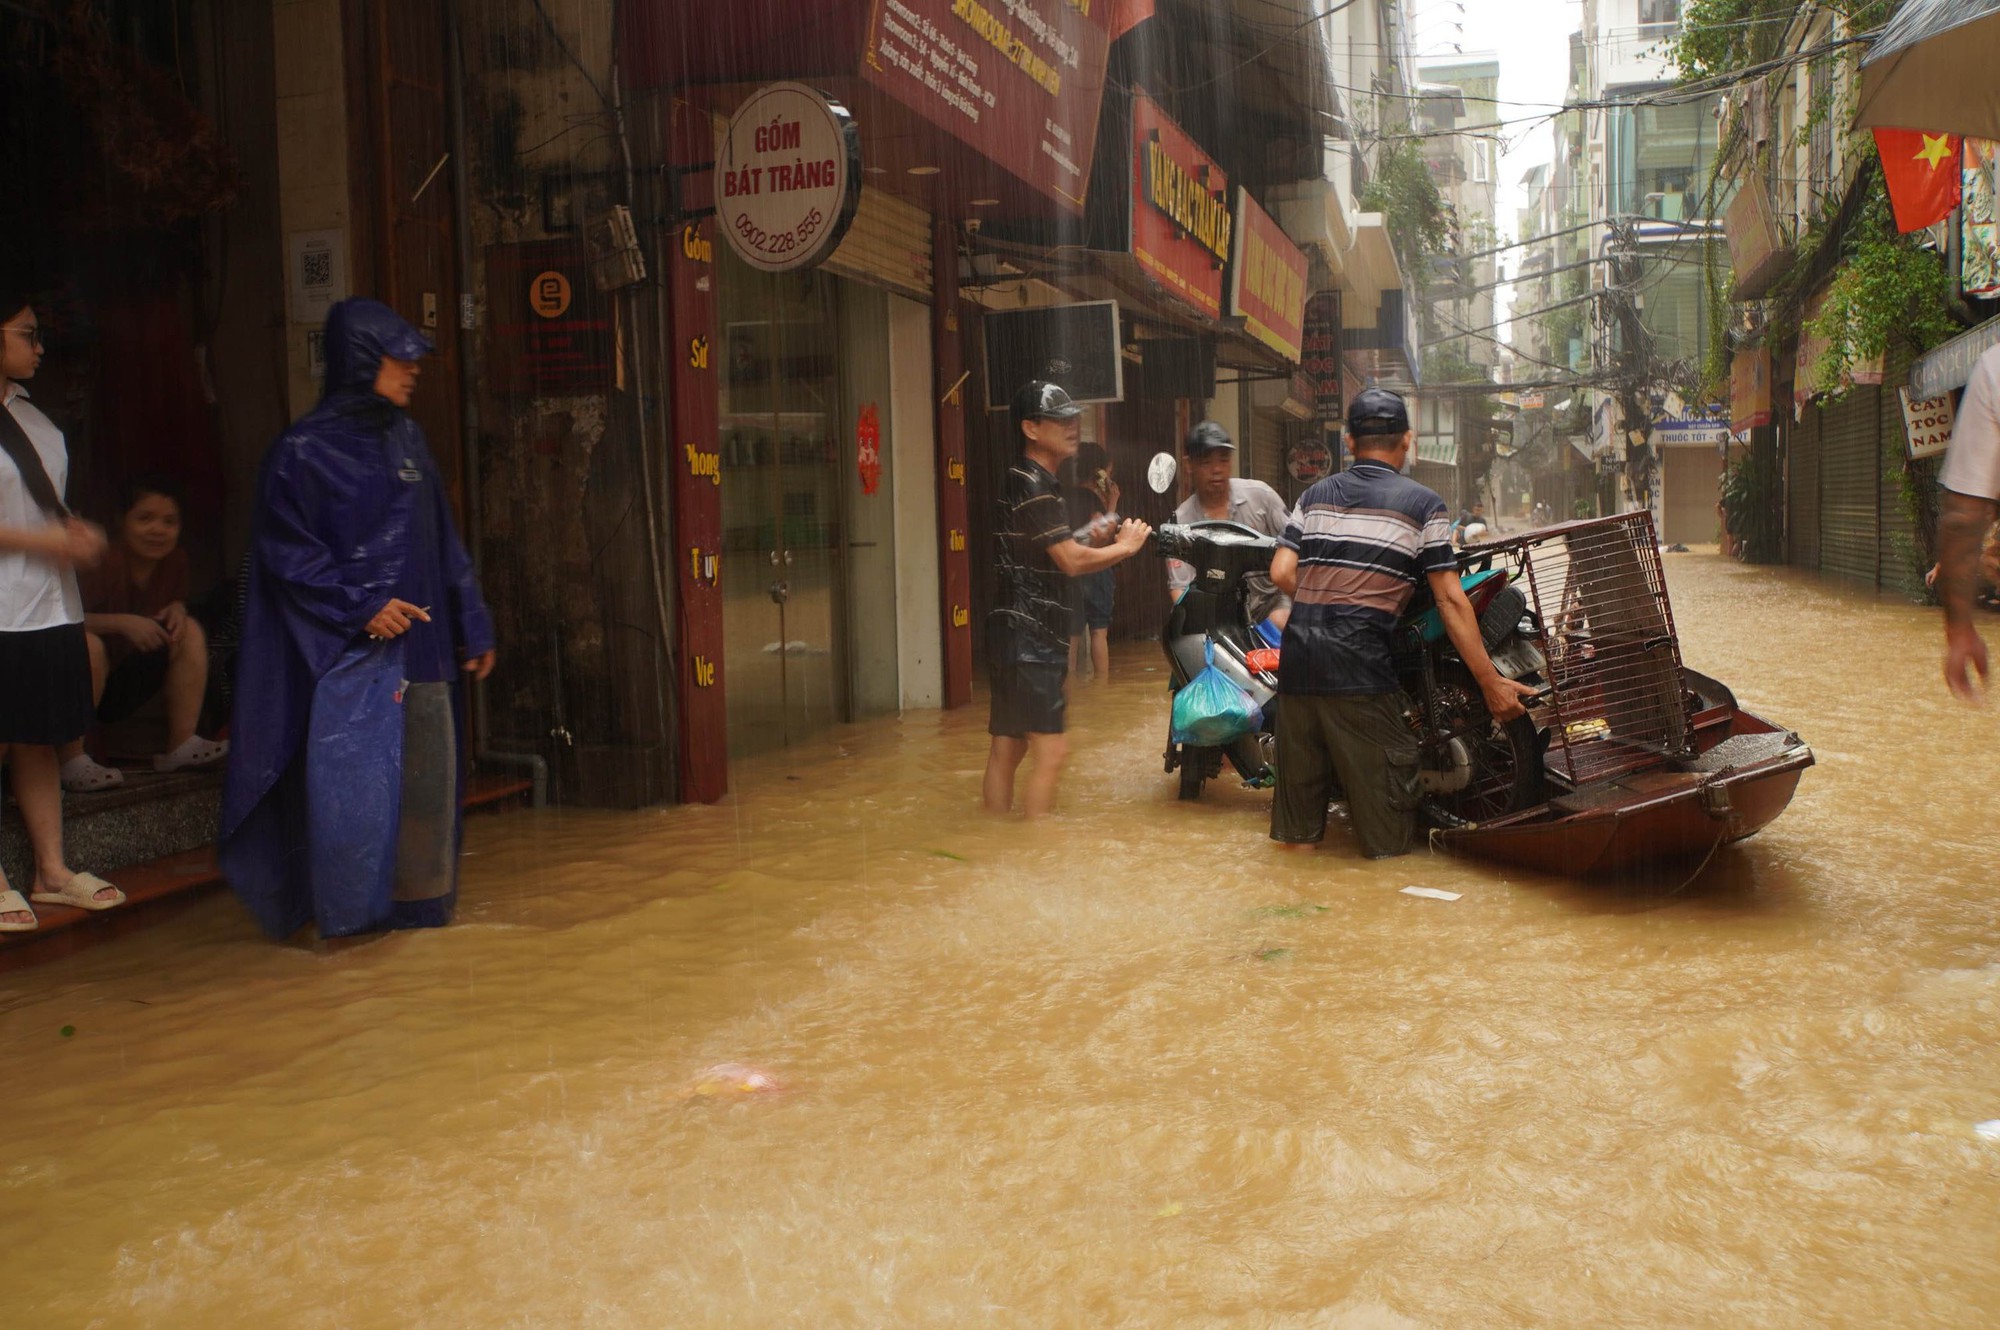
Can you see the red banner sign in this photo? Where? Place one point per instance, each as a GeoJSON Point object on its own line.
{"type": "Point", "coordinates": [1320, 355]}
{"type": "Point", "coordinates": [1019, 81]}
{"type": "Point", "coordinates": [694, 483]}
{"type": "Point", "coordinates": [1182, 227]}
{"type": "Point", "coordinates": [1267, 283]}
{"type": "Point", "coordinates": [548, 326]}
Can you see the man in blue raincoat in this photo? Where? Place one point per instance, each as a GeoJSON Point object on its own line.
{"type": "Point", "coordinates": [341, 806]}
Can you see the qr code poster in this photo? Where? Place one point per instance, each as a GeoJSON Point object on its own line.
{"type": "Point", "coordinates": [318, 273]}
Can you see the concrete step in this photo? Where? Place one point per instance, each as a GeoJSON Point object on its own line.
{"type": "Point", "coordinates": [148, 817]}
{"type": "Point", "coordinates": [158, 887]}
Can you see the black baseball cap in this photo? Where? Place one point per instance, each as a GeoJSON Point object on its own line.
{"type": "Point", "coordinates": [1207, 437]}
{"type": "Point", "coordinates": [1377, 411]}
{"type": "Point", "coordinates": [1038, 399]}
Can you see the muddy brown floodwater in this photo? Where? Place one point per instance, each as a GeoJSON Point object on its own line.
{"type": "Point", "coordinates": [1129, 1067]}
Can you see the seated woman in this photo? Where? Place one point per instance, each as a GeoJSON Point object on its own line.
{"type": "Point", "coordinates": [143, 642]}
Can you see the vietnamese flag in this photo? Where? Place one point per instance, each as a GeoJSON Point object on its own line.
{"type": "Point", "coordinates": [1921, 171]}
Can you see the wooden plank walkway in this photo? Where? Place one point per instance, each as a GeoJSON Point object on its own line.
{"type": "Point", "coordinates": [160, 888]}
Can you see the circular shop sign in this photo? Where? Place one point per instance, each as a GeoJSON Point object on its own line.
{"type": "Point", "coordinates": [1308, 460]}
{"type": "Point", "coordinates": [788, 178]}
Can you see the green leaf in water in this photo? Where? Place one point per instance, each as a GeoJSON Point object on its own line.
{"type": "Point", "coordinates": [1302, 910]}
{"type": "Point", "coordinates": [947, 854]}
{"type": "Point", "coordinates": [68, 1030]}
{"type": "Point", "coordinates": [1273, 953]}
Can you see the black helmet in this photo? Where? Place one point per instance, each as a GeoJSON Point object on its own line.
{"type": "Point", "coordinates": [1206, 437]}
{"type": "Point", "coordinates": [1038, 399]}
{"type": "Point", "coordinates": [1377, 411]}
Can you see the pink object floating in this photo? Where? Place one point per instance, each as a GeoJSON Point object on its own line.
{"type": "Point", "coordinates": [728, 1079]}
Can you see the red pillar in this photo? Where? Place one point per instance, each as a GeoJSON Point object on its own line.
{"type": "Point", "coordinates": [695, 480]}
{"type": "Point", "coordinates": [954, 560]}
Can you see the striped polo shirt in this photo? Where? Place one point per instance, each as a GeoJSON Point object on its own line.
{"type": "Point", "coordinates": [1364, 537]}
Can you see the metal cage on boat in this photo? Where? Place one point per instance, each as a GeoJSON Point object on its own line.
{"type": "Point", "coordinates": [1616, 700]}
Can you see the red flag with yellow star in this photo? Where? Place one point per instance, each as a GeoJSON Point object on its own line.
{"type": "Point", "coordinates": [1922, 173]}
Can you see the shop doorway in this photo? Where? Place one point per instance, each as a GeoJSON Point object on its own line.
{"type": "Point", "coordinates": [783, 528]}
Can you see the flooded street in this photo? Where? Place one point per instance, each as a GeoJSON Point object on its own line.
{"type": "Point", "coordinates": [1132, 1066]}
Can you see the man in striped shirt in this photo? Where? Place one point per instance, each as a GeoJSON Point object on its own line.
{"type": "Point", "coordinates": [1350, 559]}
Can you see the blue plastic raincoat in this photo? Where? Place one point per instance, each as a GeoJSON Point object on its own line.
{"type": "Point", "coordinates": [311, 804]}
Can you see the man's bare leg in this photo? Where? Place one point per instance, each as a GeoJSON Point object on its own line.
{"type": "Point", "coordinates": [1962, 523]}
{"type": "Point", "coordinates": [1100, 654]}
{"type": "Point", "coordinates": [1003, 759]}
{"type": "Point", "coordinates": [1048, 750]}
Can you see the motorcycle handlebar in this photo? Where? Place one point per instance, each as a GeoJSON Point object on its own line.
{"type": "Point", "coordinates": [1171, 541]}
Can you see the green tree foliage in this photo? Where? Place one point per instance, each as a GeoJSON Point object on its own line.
{"type": "Point", "coordinates": [1887, 294]}
{"type": "Point", "coordinates": [1719, 37]}
{"type": "Point", "coordinates": [1401, 189]}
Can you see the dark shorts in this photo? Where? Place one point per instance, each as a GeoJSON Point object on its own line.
{"type": "Point", "coordinates": [1096, 593]}
{"type": "Point", "coordinates": [133, 682]}
{"type": "Point", "coordinates": [1027, 699]}
{"type": "Point", "coordinates": [46, 697]}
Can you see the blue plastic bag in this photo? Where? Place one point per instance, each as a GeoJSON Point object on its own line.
{"type": "Point", "coordinates": [1212, 711]}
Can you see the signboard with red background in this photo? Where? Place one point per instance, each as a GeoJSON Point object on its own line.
{"type": "Point", "coordinates": [1320, 355]}
{"type": "Point", "coordinates": [694, 481]}
{"type": "Point", "coordinates": [548, 328]}
{"type": "Point", "coordinates": [1018, 81]}
{"type": "Point", "coordinates": [1267, 283]}
{"type": "Point", "coordinates": [1182, 224]}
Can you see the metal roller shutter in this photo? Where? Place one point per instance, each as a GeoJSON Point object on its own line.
{"type": "Point", "coordinates": [889, 243]}
{"type": "Point", "coordinates": [1802, 491]}
{"type": "Point", "coordinates": [1898, 545]}
{"type": "Point", "coordinates": [1850, 486]}
{"type": "Point", "coordinates": [1441, 478]}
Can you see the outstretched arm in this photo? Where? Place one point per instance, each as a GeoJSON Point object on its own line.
{"type": "Point", "coordinates": [1074, 560]}
{"type": "Point", "coordinates": [1503, 696]}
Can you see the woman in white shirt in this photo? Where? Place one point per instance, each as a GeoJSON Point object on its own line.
{"type": "Point", "coordinates": [44, 657]}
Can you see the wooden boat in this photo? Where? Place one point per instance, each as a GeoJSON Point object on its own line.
{"type": "Point", "coordinates": [1662, 816]}
{"type": "Point", "coordinates": [1648, 766]}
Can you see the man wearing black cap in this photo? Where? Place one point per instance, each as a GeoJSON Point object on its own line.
{"type": "Point", "coordinates": [1220, 496]}
{"type": "Point", "coordinates": [1350, 557]}
{"type": "Point", "coordinates": [1027, 634]}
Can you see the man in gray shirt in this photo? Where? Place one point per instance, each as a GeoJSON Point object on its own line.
{"type": "Point", "coordinates": [1219, 496]}
{"type": "Point", "coordinates": [1971, 484]}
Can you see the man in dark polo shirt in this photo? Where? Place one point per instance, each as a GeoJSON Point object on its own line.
{"type": "Point", "coordinates": [1350, 558]}
{"type": "Point", "coordinates": [1027, 635]}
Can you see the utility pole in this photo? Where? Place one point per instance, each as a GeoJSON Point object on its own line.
{"type": "Point", "coordinates": [1635, 364]}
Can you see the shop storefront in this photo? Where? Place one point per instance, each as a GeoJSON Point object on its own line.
{"type": "Point", "coordinates": [827, 478]}
{"type": "Point", "coordinates": [816, 353]}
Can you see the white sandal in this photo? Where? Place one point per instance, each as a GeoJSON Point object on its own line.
{"type": "Point", "coordinates": [80, 893]}
{"type": "Point", "coordinates": [196, 752]}
{"type": "Point", "coordinates": [84, 774]}
{"type": "Point", "coordinates": [12, 902]}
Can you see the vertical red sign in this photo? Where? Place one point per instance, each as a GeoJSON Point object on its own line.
{"type": "Point", "coordinates": [954, 558]}
{"type": "Point", "coordinates": [695, 482]}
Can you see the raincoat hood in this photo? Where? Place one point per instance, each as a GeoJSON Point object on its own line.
{"type": "Point", "coordinates": [358, 334]}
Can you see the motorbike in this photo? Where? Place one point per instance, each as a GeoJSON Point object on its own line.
{"type": "Point", "coordinates": [1472, 768]}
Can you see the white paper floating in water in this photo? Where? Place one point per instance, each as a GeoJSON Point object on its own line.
{"type": "Point", "coordinates": [1431, 893]}
{"type": "Point", "coordinates": [733, 1080]}
{"type": "Point", "coordinates": [1988, 1130]}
